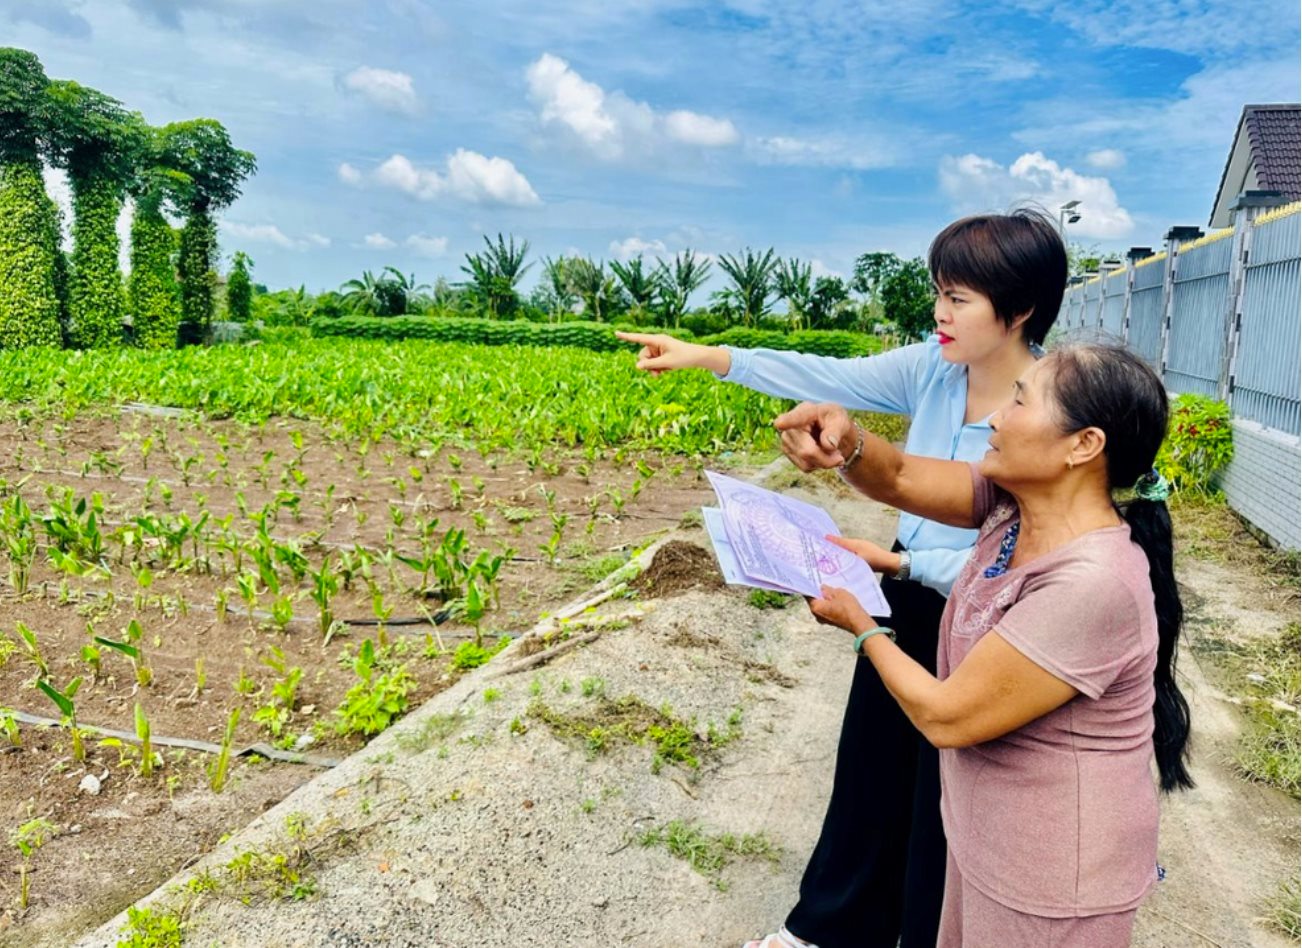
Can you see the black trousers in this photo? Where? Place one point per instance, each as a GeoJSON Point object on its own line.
{"type": "Point", "coordinates": [877, 876]}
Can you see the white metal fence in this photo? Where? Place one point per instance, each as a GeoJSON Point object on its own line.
{"type": "Point", "coordinates": [1217, 316]}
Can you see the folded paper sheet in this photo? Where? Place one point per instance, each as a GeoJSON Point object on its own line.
{"type": "Point", "coordinates": [766, 540]}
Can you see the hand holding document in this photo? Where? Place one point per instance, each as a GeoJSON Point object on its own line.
{"type": "Point", "coordinates": [766, 540]}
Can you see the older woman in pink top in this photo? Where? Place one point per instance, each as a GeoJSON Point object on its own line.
{"type": "Point", "coordinates": [1055, 681]}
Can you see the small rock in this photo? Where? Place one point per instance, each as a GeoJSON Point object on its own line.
{"type": "Point", "coordinates": [601, 902]}
{"type": "Point", "coordinates": [89, 784]}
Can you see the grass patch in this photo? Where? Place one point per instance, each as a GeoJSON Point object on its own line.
{"type": "Point", "coordinates": [603, 723]}
{"type": "Point", "coordinates": [1268, 673]}
{"type": "Point", "coordinates": [769, 599]}
{"type": "Point", "coordinates": [1283, 910]}
{"type": "Point", "coordinates": [597, 568]}
{"type": "Point", "coordinates": [708, 853]}
{"type": "Point", "coordinates": [1207, 527]}
{"type": "Point", "coordinates": [434, 729]}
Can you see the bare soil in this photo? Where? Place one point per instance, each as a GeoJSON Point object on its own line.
{"type": "Point", "coordinates": [326, 495]}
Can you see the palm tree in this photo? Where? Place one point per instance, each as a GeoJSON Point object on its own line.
{"type": "Point", "coordinates": [364, 295]}
{"type": "Point", "coordinates": [792, 281]}
{"type": "Point", "coordinates": [398, 292]}
{"type": "Point", "coordinates": [675, 286]}
{"type": "Point", "coordinates": [494, 274]}
{"type": "Point", "coordinates": [637, 283]}
{"type": "Point", "coordinates": [751, 277]}
{"type": "Point", "coordinates": [597, 289]}
{"type": "Point", "coordinates": [556, 281]}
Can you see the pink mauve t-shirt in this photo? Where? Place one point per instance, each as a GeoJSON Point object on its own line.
{"type": "Point", "coordinates": [1059, 817]}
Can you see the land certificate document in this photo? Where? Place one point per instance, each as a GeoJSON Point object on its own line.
{"type": "Point", "coordinates": [766, 540]}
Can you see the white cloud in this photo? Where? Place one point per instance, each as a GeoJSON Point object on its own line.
{"type": "Point", "coordinates": [1106, 159]}
{"type": "Point", "coordinates": [259, 233]}
{"type": "Point", "coordinates": [974, 183]}
{"type": "Point", "coordinates": [467, 176]}
{"type": "Point", "coordinates": [481, 180]}
{"type": "Point", "coordinates": [610, 124]}
{"type": "Point", "coordinates": [828, 152]}
{"type": "Point", "coordinates": [631, 247]}
{"type": "Point", "coordinates": [423, 246]}
{"type": "Point", "coordinates": [817, 268]}
{"type": "Point", "coordinates": [348, 174]}
{"type": "Point", "coordinates": [385, 88]}
{"type": "Point", "coordinates": [378, 241]}
{"type": "Point", "coordinates": [271, 234]}
{"type": "Point", "coordinates": [692, 128]}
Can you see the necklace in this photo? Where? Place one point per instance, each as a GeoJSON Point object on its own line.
{"type": "Point", "coordinates": [1006, 547]}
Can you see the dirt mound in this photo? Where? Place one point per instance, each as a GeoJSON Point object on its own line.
{"type": "Point", "coordinates": [678, 566]}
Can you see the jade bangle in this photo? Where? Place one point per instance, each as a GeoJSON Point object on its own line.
{"type": "Point", "coordinates": [865, 636]}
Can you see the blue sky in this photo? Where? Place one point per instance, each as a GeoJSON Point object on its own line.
{"type": "Point", "coordinates": [400, 131]}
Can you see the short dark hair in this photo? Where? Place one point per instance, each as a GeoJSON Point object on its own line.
{"type": "Point", "coordinates": [1016, 259]}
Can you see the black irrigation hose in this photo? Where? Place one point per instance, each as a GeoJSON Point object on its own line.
{"type": "Point", "coordinates": [261, 749]}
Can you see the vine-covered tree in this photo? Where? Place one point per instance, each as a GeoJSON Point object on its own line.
{"type": "Point", "coordinates": [239, 288]}
{"type": "Point", "coordinates": [153, 296]}
{"type": "Point", "coordinates": [30, 258]}
{"type": "Point", "coordinates": [99, 143]}
{"type": "Point", "coordinates": [751, 275]}
{"type": "Point", "coordinates": [202, 150]}
{"type": "Point", "coordinates": [675, 284]}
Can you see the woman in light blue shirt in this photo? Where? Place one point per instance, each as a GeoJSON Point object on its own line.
{"type": "Point", "coordinates": [999, 282]}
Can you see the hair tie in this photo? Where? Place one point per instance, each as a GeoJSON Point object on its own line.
{"type": "Point", "coordinates": [1152, 486]}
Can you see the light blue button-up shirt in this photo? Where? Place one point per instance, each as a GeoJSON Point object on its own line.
{"type": "Point", "coordinates": [913, 380]}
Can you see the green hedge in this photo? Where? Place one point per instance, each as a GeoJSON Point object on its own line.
{"type": "Point", "coordinates": [597, 337]}
{"type": "Point", "coordinates": [828, 342]}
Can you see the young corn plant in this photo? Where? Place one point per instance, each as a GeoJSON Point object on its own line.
{"type": "Point", "coordinates": [33, 650]}
{"type": "Point", "coordinates": [64, 701]}
{"type": "Point", "coordinates": [220, 768]}
{"type": "Point", "coordinates": [148, 758]}
{"type": "Point", "coordinates": [28, 838]}
{"type": "Point", "coordinates": [9, 727]}
{"type": "Point", "coordinates": [19, 532]}
{"type": "Point", "coordinates": [133, 647]}
{"type": "Point", "coordinates": [275, 714]}
{"type": "Point", "coordinates": [325, 585]}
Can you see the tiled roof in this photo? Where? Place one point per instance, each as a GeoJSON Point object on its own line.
{"type": "Point", "coordinates": [1276, 137]}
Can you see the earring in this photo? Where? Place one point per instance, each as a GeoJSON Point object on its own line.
{"type": "Point", "coordinates": [1070, 464]}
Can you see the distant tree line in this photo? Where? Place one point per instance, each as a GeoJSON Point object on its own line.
{"type": "Point", "coordinates": [189, 170]}
{"type": "Point", "coordinates": [884, 293]}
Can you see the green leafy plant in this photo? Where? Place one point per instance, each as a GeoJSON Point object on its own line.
{"type": "Point", "coordinates": [377, 699]}
{"type": "Point", "coordinates": [68, 709]}
{"type": "Point", "coordinates": [220, 768]}
{"type": "Point", "coordinates": [28, 838]}
{"type": "Point", "coordinates": [132, 646]}
{"type": "Point", "coordinates": [1199, 443]}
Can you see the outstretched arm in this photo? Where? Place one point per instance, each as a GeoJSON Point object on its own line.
{"type": "Point", "coordinates": [823, 436]}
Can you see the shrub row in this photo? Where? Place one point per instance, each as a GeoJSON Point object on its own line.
{"type": "Point", "coordinates": [597, 337]}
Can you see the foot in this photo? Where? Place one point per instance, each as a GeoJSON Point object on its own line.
{"type": "Point", "coordinates": [780, 939]}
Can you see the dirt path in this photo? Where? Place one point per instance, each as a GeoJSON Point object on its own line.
{"type": "Point", "coordinates": [511, 810]}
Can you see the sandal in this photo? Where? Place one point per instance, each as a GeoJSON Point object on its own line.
{"type": "Point", "coordinates": [780, 939]}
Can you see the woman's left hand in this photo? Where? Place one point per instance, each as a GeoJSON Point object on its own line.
{"type": "Point", "coordinates": [840, 608]}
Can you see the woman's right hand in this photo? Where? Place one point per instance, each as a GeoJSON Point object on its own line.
{"type": "Point", "coordinates": [662, 353]}
{"type": "Point", "coordinates": [878, 558]}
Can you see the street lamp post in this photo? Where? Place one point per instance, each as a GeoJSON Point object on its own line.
{"type": "Point", "coordinates": [1067, 215]}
